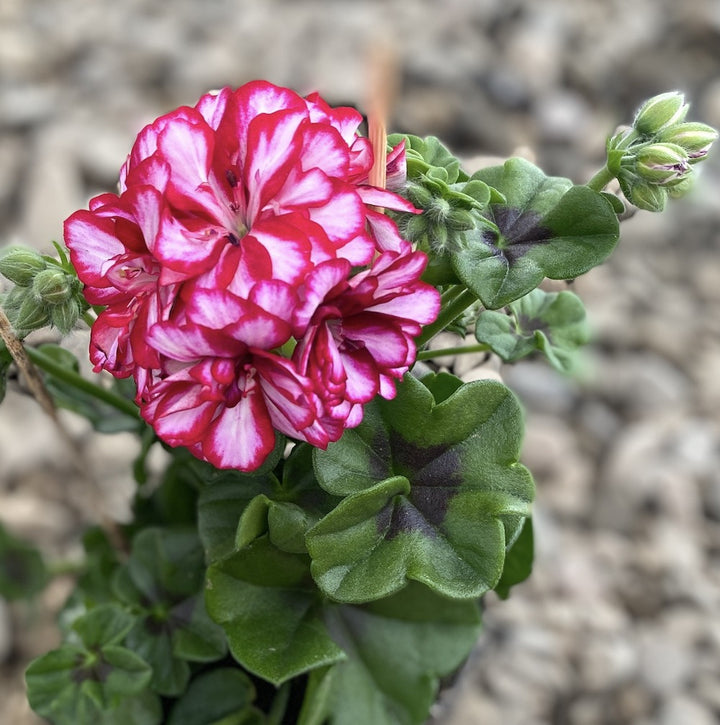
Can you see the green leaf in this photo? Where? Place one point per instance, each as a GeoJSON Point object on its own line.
{"type": "Point", "coordinates": [22, 569]}
{"type": "Point", "coordinates": [220, 507]}
{"type": "Point", "coordinates": [103, 417]}
{"type": "Point", "coordinates": [434, 492]}
{"type": "Point", "coordinates": [553, 323]}
{"type": "Point", "coordinates": [518, 562]}
{"type": "Point", "coordinates": [546, 228]}
{"type": "Point", "coordinates": [106, 624]}
{"type": "Point", "coordinates": [223, 693]}
{"type": "Point", "coordinates": [103, 684]}
{"type": "Point", "coordinates": [398, 649]}
{"type": "Point", "coordinates": [266, 602]}
{"type": "Point", "coordinates": [428, 154]}
{"type": "Point", "coordinates": [164, 582]}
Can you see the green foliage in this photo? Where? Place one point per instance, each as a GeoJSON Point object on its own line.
{"type": "Point", "coordinates": [94, 678]}
{"type": "Point", "coordinates": [162, 584]}
{"type": "Point", "coordinates": [271, 611]}
{"type": "Point", "coordinates": [553, 323]}
{"type": "Point", "coordinates": [22, 569]}
{"type": "Point", "coordinates": [429, 154]}
{"type": "Point", "coordinates": [546, 227]}
{"type": "Point", "coordinates": [518, 561]}
{"type": "Point", "coordinates": [218, 697]}
{"type": "Point", "coordinates": [433, 492]}
{"type": "Point", "coordinates": [391, 684]}
{"type": "Point", "coordinates": [105, 417]}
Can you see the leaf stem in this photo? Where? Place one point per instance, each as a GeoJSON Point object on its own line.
{"type": "Point", "coordinates": [454, 303]}
{"type": "Point", "coordinates": [601, 179]}
{"type": "Point", "coordinates": [279, 705]}
{"type": "Point", "coordinates": [460, 350]}
{"type": "Point", "coordinates": [89, 318]}
{"type": "Point", "coordinates": [64, 567]}
{"type": "Point", "coordinates": [78, 381]}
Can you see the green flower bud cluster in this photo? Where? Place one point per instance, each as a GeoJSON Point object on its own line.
{"type": "Point", "coordinates": [447, 211]}
{"type": "Point", "coordinates": [653, 159]}
{"type": "Point", "coordinates": [451, 202]}
{"type": "Point", "coordinates": [46, 291]}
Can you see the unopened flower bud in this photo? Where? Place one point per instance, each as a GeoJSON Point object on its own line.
{"type": "Point", "coordinates": [683, 186]}
{"type": "Point", "coordinates": [648, 196]}
{"type": "Point", "coordinates": [53, 286]}
{"type": "Point", "coordinates": [660, 112]}
{"type": "Point", "coordinates": [460, 219]}
{"type": "Point", "coordinates": [65, 316]}
{"type": "Point", "coordinates": [20, 265]}
{"type": "Point", "coordinates": [695, 138]}
{"type": "Point", "coordinates": [419, 195]}
{"type": "Point", "coordinates": [661, 163]}
{"type": "Point", "coordinates": [31, 315]}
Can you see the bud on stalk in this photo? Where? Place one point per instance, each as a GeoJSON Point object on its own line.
{"type": "Point", "coordinates": [695, 138]}
{"type": "Point", "coordinates": [661, 163]}
{"type": "Point", "coordinates": [21, 265]}
{"type": "Point", "coordinates": [660, 112]}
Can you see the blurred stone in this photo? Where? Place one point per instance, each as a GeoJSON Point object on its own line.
{"type": "Point", "coordinates": [665, 665]}
{"type": "Point", "coordinates": [53, 188]}
{"type": "Point", "coordinates": [607, 661]}
{"type": "Point", "coordinates": [682, 709]}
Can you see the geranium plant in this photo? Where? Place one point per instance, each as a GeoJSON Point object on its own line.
{"type": "Point", "coordinates": [259, 291]}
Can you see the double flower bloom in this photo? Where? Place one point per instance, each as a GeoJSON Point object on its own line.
{"type": "Point", "coordinates": [249, 284]}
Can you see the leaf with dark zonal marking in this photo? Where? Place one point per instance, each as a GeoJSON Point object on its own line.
{"type": "Point", "coordinates": [546, 228]}
{"type": "Point", "coordinates": [433, 493]}
{"type": "Point", "coordinates": [164, 582]}
{"type": "Point", "coordinates": [95, 680]}
{"type": "Point", "coordinates": [553, 323]}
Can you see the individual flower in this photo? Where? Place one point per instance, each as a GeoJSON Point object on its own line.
{"type": "Point", "coordinates": [212, 264]}
{"type": "Point", "coordinates": [356, 333]}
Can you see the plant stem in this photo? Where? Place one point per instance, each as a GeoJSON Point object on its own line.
{"type": "Point", "coordinates": [279, 705]}
{"type": "Point", "coordinates": [460, 350]}
{"type": "Point", "coordinates": [454, 303]}
{"type": "Point", "coordinates": [601, 179]}
{"type": "Point", "coordinates": [78, 381]}
{"type": "Point", "coordinates": [64, 567]}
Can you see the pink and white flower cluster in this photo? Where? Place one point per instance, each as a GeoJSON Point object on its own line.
{"type": "Point", "coordinates": [249, 284]}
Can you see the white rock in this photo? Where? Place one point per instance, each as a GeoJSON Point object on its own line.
{"type": "Point", "coordinates": [683, 710]}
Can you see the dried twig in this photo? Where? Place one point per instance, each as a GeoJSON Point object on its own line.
{"type": "Point", "coordinates": [381, 92]}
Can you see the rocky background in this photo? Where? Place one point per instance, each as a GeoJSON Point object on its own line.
{"type": "Point", "coordinates": [620, 622]}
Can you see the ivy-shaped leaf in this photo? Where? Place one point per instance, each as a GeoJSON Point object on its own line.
{"type": "Point", "coordinates": [434, 492]}
{"type": "Point", "coordinates": [398, 649]}
{"type": "Point", "coordinates": [545, 228]}
{"type": "Point", "coordinates": [428, 154]}
{"type": "Point", "coordinates": [224, 695]}
{"type": "Point", "coordinates": [518, 561]}
{"type": "Point", "coordinates": [270, 609]}
{"type": "Point", "coordinates": [164, 581]}
{"type": "Point", "coordinates": [553, 323]}
{"type": "Point", "coordinates": [220, 507]}
{"type": "Point", "coordinates": [95, 680]}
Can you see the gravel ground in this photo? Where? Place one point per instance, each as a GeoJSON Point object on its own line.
{"type": "Point", "coordinates": [620, 622]}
